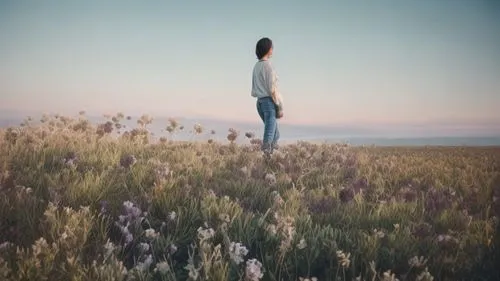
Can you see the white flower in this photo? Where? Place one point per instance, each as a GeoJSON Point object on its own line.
{"type": "Point", "coordinates": [151, 233]}
{"type": "Point", "coordinates": [193, 272]}
{"type": "Point", "coordinates": [163, 267]}
{"type": "Point", "coordinates": [172, 249]}
{"type": "Point", "coordinates": [109, 247]}
{"type": "Point", "coordinates": [5, 245]}
{"type": "Point", "coordinates": [143, 266]}
{"type": "Point", "coordinates": [253, 270]}
{"type": "Point", "coordinates": [205, 234]}
{"type": "Point", "coordinates": [271, 228]}
{"type": "Point", "coordinates": [122, 218]}
{"type": "Point", "coordinates": [172, 215]}
{"type": "Point", "coordinates": [128, 205]}
{"type": "Point", "coordinates": [270, 179]}
{"type": "Point", "coordinates": [308, 279]}
{"type": "Point", "coordinates": [237, 252]}
{"type": "Point", "coordinates": [302, 244]}
{"type": "Point", "coordinates": [143, 247]}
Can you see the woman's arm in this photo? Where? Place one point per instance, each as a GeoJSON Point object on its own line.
{"type": "Point", "coordinates": [272, 79]}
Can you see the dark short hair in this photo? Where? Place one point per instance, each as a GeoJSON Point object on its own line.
{"type": "Point", "coordinates": [263, 47]}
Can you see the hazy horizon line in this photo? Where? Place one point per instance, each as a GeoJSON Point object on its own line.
{"type": "Point", "coordinates": [95, 114]}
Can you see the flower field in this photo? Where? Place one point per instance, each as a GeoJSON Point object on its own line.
{"type": "Point", "coordinates": [87, 202]}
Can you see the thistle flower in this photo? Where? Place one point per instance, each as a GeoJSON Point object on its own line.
{"type": "Point", "coordinates": [253, 270]}
{"type": "Point", "coordinates": [233, 135]}
{"type": "Point", "coordinates": [237, 252]}
{"type": "Point", "coordinates": [128, 161]}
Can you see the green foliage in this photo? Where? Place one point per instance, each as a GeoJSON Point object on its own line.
{"type": "Point", "coordinates": [82, 202]}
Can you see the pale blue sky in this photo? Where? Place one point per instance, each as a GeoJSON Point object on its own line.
{"type": "Point", "coordinates": [346, 61]}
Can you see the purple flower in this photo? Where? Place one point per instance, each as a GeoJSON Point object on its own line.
{"type": "Point", "coordinates": [104, 206]}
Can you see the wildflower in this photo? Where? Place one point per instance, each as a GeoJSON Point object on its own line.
{"type": "Point", "coordinates": [232, 135]}
{"type": "Point", "coordinates": [162, 267]}
{"type": "Point", "coordinates": [389, 276]}
{"type": "Point", "coordinates": [270, 179]}
{"type": "Point", "coordinates": [378, 233]}
{"type": "Point", "coordinates": [308, 279]}
{"type": "Point", "coordinates": [143, 266]}
{"type": "Point", "coordinates": [151, 233]}
{"type": "Point", "coordinates": [253, 270]}
{"type": "Point", "coordinates": [417, 261]}
{"type": "Point", "coordinates": [343, 259]}
{"type": "Point", "coordinates": [172, 249]}
{"type": "Point", "coordinates": [128, 205]}
{"type": "Point", "coordinates": [346, 194]}
{"type": "Point", "coordinates": [302, 244]}
{"type": "Point", "coordinates": [198, 129]}
{"type": "Point", "coordinates": [278, 200]}
{"type": "Point", "coordinates": [205, 234]}
{"type": "Point", "coordinates": [109, 247]}
{"type": "Point", "coordinates": [271, 228]}
{"type": "Point", "coordinates": [193, 271]}
{"type": "Point", "coordinates": [104, 206]}
{"type": "Point", "coordinates": [425, 276]}
{"type": "Point", "coordinates": [128, 161]}
{"type": "Point", "coordinates": [172, 215]}
{"type": "Point", "coordinates": [143, 247]}
{"type": "Point", "coordinates": [211, 193]}
{"type": "Point", "coordinates": [249, 135]}
{"type": "Point", "coordinates": [122, 218]}
{"type": "Point", "coordinates": [131, 210]}
{"type": "Point", "coordinates": [225, 218]}
{"type": "Point", "coordinates": [129, 238]}
{"type": "Point", "coordinates": [5, 245]}
{"type": "Point", "coordinates": [244, 171]}
{"type": "Point", "coordinates": [237, 252]}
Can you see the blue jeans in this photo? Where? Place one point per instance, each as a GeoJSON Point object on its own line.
{"type": "Point", "coordinates": [267, 112]}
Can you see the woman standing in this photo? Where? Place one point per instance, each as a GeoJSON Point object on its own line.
{"type": "Point", "coordinates": [265, 89]}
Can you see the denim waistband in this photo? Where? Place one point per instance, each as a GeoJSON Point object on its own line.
{"type": "Point", "coordinates": [262, 98]}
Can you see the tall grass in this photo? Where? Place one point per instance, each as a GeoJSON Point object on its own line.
{"type": "Point", "coordinates": [85, 202]}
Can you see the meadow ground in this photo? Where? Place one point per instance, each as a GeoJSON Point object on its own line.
{"type": "Point", "coordinates": [81, 202]}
